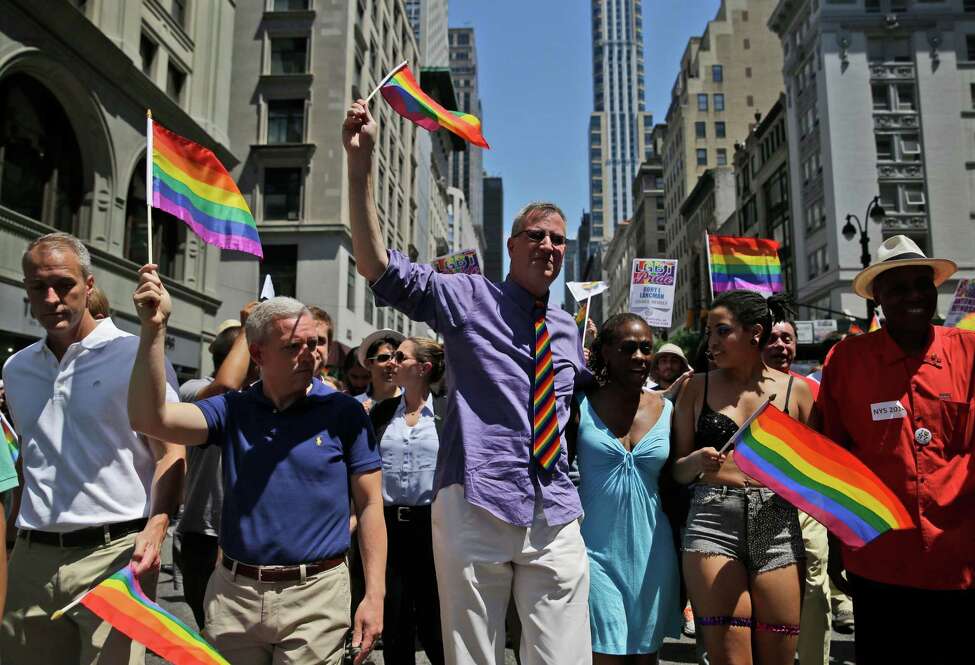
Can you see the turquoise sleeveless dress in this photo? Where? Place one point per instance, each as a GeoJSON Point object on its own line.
{"type": "Point", "coordinates": [634, 586]}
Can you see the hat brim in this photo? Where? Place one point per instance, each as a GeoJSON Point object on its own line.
{"type": "Point", "coordinates": [863, 281]}
{"type": "Point", "coordinates": [363, 349]}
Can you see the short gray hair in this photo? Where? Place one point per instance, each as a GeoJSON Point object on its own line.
{"type": "Point", "coordinates": [64, 242]}
{"type": "Point", "coordinates": [263, 316]}
{"type": "Point", "coordinates": [535, 209]}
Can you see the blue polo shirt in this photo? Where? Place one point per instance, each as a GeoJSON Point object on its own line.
{"type": "Point", "coordinates": [286, 473]}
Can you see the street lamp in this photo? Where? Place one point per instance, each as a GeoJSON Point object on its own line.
{"type": "Point", "coordinates": [875, 212]}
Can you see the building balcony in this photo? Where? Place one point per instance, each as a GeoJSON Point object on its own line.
{"type": "Point", "coordinates": [900, 222]}
{"type": "Point", "coordinates": [900, 71]}
{"type": "Point", "coordinates": [283, 152]}
{"type": "Point", "coordinates": [900, 170]}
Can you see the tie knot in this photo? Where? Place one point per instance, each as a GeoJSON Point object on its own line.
{"type": "Point", "coordinates": [541, 304]}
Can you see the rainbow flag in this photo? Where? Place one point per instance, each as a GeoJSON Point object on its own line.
{"type": "Point", "coordinates": [581, 316]}
{"type": "Point", "coordinates": [120, 601]}
{"type": "Point", "coordinates": [744, 263]}
{"type": "Point", "coordinates": [874, 323]}
{"type": "Point", "coordinates": [855, 329]}
{"type": "Point", "coordinates": [403, 93]}
{"type": "Point", "coordinates": [188, 181]}
{"type": "Point", "coordinates": [10, 437]}
{"type": "Point", "coordinates": [817, 476]}
{"type": "Point", "coordinates": [967, 322]}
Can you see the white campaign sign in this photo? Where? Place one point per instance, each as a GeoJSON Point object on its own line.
{"type": "Point", "coordinates": [652, 283]}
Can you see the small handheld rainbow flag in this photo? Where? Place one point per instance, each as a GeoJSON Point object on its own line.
{"type": "Point", "coordinates": [120, 601]}
{"type": "Point", "coordinates": [751, 264]}
{"type": "Point", "coordinates": [188, 181]}
{"type": "Point", "coordinates": [10, 438]}
{"type": "Point", "coordinates": [404, 94]}
{"type": "Point", "coordinates": [855, 329]}
{"type": "Point", "coordinates": [817, 476]}
{"type": "Point", "coordinates": [874, 323]}
{"type": "Point", "coordinates": [581, 316]}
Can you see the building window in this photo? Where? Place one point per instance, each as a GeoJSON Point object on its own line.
{"type": "Point", "coordinates": [147, 52]}
{"type": "Point", "coordinates": [889, 199]}
{"type": "Point", "coordinates": [289, 55]}
{"type": "Point", "coordinates": [702, 157]}
{"type": "Point", "coordinates": [282, 193]}
{"type": "Point", "coordinates": [178, 12]}
{"type": "Point", "coordinates": [370, 307]}
{"type": "Point", "coordinates": [285, 121]}
{"type": "Point", "coordinates": [818, 262]}
{"type": "Point", "coordinates": [914, 201]}
{"type": "Point", "coordinates": [722, 156]}
{"type": "Point", "coordinates": [281, 263]}
{"type": "Point", "coordinates": [970, 47]}
{"type": "Point", "coordinates": [881, 97]}
{"type": "Point", "coordinates": [289, 5]}
{"type": "Point", "coordinates": [175, 82]}
{"type": "Point", "coordinates": [717, 73]}
{"type": "Point", "coordinates": [885, 147]}
{"type": "Point", "coordinates": [747, 44]}
{"type": "Point", "coordinates": [748, 72]}
{"type": "Point", "coordinates": [350, 280]}
{"type": "Point", "coordinates": [702, 102]}
{"type": "Point", "coordinates": [719, 102]}
{"type": "Point", "coordinates": [719, 130]}
{"type": "Point", "coordinates": [749, 101]}
{"type": "Point", "coordinates": [168, 232]}
{"type": "Point", "coordinates": [910, 148]}
{"type": "Point", "coordinates": [700, 130]}
{"type": "Point", "coordinates": [905, 97]}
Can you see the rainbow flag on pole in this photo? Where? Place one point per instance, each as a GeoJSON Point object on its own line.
{"type": "Point", "coordinates": [120, 601]}
{"type": "Point", "coordinates": [751, 264]}
{"type": "Point", "coordinates": [188, 181]}
{"type": "Point", "coordinates": [817, 476]}
{"type": "Point", "coordinates": [10, 438]}
{"type": "Point", "coordinates": [403, 93]}
{"type": "Point", "coordinates": [582, 315]}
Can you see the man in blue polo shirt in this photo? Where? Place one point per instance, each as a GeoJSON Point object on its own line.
{"type": "Point", "coordinates": [293, 448]}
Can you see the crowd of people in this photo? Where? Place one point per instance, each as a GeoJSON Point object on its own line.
{"type": "Point", "coordinates": [500, 483]}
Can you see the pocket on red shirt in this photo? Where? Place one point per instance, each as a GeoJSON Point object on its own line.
{"type": "Point", "coordinates": [958, 423]}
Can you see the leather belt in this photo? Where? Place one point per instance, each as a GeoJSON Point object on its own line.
{"type": "Point", "coordinates": [406, 513]}
{"type": "Point", "coordinates": [87, 537]}
{"type": "Point", "coordinates": [280, 573]}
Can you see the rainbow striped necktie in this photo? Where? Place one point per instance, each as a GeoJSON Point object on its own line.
{"type": "Point", "coordinates": [545, 435]}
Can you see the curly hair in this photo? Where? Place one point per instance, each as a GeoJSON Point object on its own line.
{"type": "Point", "coordinates": [608, 335]}
{"type": "Point", "coordinates": [750, 308]}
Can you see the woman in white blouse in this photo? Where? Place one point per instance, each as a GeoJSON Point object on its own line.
{"type": "Point", "coordinates": [407, 427]}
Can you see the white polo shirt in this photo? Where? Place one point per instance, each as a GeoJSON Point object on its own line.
{"type": "Point", "coordinates": [83, 465]}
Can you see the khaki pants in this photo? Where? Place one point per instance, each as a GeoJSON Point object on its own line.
{"type": "Point", "coordinates": [814, 623]}
{"type": "Point", "coordinates": [482, 562]}
{"type": "Point", "coordinates": [45, 578]}
{"type": "Point", "coordinates": [278, 623]}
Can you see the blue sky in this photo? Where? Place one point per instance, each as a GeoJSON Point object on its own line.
{"type": "Point", "coordinates": [535, 80]}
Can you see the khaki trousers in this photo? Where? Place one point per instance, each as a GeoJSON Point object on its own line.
{"type": "Point", "coordinates": [814, 622]}
{"type": "Point", "coordinates": [482, 561]}
{"type": "Point", "coordinates": [45, 578]}
{"type": "Point", "coordinates": [278, 623]}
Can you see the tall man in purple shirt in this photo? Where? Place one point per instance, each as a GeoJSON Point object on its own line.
{"type": "Point", "coordinates": [503, 525]}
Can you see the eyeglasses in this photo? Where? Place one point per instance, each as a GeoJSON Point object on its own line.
{"type": "Point", "coordinates": [401, 357]}
{"type": "Point", "coordinates": [381, 357]}
{"type": "Point", "coordinates": [538, 235]}
{"type": "Point", "coordinates": [629, 347]}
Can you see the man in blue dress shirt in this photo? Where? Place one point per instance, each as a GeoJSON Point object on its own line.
{"type": "Point", "coordinates": [503, 524]}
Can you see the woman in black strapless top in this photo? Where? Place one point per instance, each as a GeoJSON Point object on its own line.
{"type": "Point", "coordinates": [742, 545]}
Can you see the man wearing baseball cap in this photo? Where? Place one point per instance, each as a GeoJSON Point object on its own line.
{"type": "Point", "coordinates": [901, 399]}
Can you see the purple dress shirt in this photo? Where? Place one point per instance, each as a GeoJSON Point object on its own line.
{"type": "Point", "coordinates": [489, 339]}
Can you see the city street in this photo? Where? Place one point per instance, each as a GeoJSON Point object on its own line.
{"type": "Point", "coordinates": [676, 652]}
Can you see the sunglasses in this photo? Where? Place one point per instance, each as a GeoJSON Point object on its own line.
{"type": "Point", "coordinates": [538, 235]}
{"type": "Point", "coordinates": [382, 357]}
{"type": "Point", "coordinates": [401, 357]}
{"type": "Point", "coordinates": [629, 347]}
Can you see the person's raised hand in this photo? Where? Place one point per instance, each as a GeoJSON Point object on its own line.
{"type": "Point", "coordinates": [246, 311]}
{"type": "Point", "coordinates": [151, 298]}
{"type": "Point", "coordinates": [673, 391]}
{"type": "Point", "coordinates": [359, 132]}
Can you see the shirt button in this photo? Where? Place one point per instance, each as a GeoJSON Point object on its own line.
{"type": "Point", "coordinates": [923, 436]}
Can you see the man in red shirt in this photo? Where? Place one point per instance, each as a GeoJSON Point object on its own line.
{"type": "Point", "coordinates": [901, 399]}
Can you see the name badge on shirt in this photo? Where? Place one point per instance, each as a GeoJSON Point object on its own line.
{"type": "Point", "coordinates": [887, 410]}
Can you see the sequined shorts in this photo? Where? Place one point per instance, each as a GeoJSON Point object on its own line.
{"type": "Point", "coordinates": [752, 525]}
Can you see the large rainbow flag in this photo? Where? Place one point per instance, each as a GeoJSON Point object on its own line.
{"type": "Point", "coordinates": [818, 476]}
{"type": "Point", "coordinates": [967, 322]}
{"type": "Point", "coordinates": [405, 96]}
{"type": "Point", "coordinates": [744, 263]}
{"type": "Point", "coordinates": [120, 601]}
{"type": "Point", "coordinates": [10, 438]}
{"type": "Point", "coordinates": [188, 181]}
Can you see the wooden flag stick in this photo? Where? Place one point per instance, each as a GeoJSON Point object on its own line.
{"type": "Point", "coordinates": [383, 82]}
{"type": "Point", "coordinates": [149, 184]}
{"type": "Point", "coordinates": [585, 325]}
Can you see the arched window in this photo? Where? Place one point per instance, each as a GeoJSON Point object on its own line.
{"type": "Point", "coordinates": [168, 232]}
{"type": "Point", "coordinates": [40, 162]}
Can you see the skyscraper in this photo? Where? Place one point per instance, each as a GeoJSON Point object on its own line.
{"type": "Point", "coordinates": [493, 228]}
{"type": "Point", "coordinates": [466, 168]}
{"type": "Point", "coordinates": [619, 126]}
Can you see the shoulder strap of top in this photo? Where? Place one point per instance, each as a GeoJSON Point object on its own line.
{"type": "Point", "coordinates": [788, 391]}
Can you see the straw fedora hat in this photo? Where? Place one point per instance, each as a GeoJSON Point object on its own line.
{"type": "Point", "coordinates": [672, 349]}
{"type": "Point", "coordinates": [360, 353]}
{"type": "Point", "coordinates": [896, 252]}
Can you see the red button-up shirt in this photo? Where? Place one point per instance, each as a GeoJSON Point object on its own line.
{"type": "Point", "coordinates": [873, 399]}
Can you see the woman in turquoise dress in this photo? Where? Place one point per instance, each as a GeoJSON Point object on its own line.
{"type": "Point", "coordinates": [622, 440]}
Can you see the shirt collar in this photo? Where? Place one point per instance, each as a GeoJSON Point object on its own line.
{"type": "Point", "coordinates": [427, 408]}
{"type": "Point", "coordinates": [317, 388]}
{"type": "Point", "coordinates": [521, 296]}
{"type": "Point", "coordinates": [933, 354]}
{"type": "Point", "coordinates": [103, 333]}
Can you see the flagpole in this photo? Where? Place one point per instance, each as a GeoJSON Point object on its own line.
{"type": "Point", "coordinates": [149, 183]}
{"type": "Point", "coordinates": [383, 82]}
{"type": "Point", "coordinates": [67, 608]}
{"type": "Point", "coordinates": [707, 253]}
{"type": "Point", "coordinates": [585, 325]}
